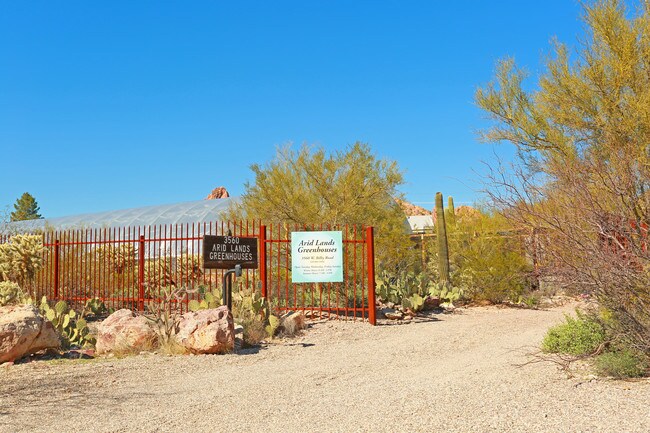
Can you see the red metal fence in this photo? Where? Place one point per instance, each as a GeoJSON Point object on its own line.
{"type": "Point", "coordinates": [132, 267]}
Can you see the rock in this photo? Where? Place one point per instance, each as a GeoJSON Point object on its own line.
{"type": "Point", "coordinates": [125, 331]}
{"type": "Point", "coordinates": [394, 315]}
{"type": "Point", "coordinates": [411, 209]}
{"type": "Point", "coordinates": [239, 329]}
{"type": "Point", "coordinates": [218, 192]}
{"type": "Point", "coordinates": [207, 331]}
{"type": "Point", "coordinates": [431, 302]}
{"type": "Point", "coordinates": [292, 322]}
{"type": "Point", "coordinates": [24, 331]}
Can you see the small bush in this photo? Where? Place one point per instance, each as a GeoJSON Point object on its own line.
{"type": "Point", "coordinates": [254, 330]}
{"type": "Point", "coordinates": [621, 364]}
{"type": "Point", "coordinates": [580, 336]}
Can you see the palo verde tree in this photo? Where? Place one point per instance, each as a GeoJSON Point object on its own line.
{"type": "Point", "coordinates": [582, 176]}
{"type": "Point", "coordinates": [25, 208]}
{"type": "Point", "coordinates": [352, 186]}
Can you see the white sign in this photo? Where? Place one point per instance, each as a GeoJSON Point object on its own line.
{"type": "Point", "coordinates": [316, 257]}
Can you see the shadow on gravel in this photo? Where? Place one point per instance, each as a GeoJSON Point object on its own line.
{"type": "Point", "coordinates": [422, 317]}
{"type": "Point", "coordinates": [250, 350]}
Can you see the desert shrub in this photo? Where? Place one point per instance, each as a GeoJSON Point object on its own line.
{"type": "Point", "coordinates": [487, 258]}
{"type": "Point", "coordinates": [621, 364]}
{"type": "Point", "coordinates": [580, 336]}
{"type": "Point", "coordinates": [254, 330]}
{"type": "Point", "coordinates": [581, 174]}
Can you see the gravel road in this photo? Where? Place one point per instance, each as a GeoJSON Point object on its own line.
{"type": "Point", "coordinates": [452, 373]}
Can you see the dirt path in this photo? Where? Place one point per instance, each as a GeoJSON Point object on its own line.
{"type": "Point", "coordinates": [451, 374]}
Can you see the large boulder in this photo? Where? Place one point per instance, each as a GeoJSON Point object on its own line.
{"type": "Point", "coordinates": [207, 331]}
{"type": "Point", "coordinates": [124, 331]}
{"type": "Point", "coordinates": [24, 331]}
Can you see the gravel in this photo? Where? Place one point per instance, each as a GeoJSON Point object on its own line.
{"type": "Point", "coordinates": [452, 372]}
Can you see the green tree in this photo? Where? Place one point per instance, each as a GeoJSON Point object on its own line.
{"type": "Point", "coordinates": [26, 208]}
{"type": "Point", "coordinates": [582, 177]}
{"type": "Point", "coordinates": [310, 186]}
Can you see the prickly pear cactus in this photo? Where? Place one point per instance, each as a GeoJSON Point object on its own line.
{"type": "Point", "coordinates": [414, 302]}
{"type": "Point", "coordinates": [210, 300]}
{"type": "Point", "coordinates": [72, 329]}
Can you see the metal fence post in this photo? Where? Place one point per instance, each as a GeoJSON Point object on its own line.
{"type": "Point", "coordinates": [56, 269]}
{"type": "Point", "coordinates": [263, 260]}
{"type": "Point", "coordinates": [141, 275]}
{"type": "Point", "coordinates": [372, 302]}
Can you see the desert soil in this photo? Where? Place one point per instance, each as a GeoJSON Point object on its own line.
{"type": "Point", "coordinates": [451, 372]}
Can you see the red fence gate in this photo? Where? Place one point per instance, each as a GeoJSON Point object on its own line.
{"type": "Point", "coordinates": [131, 267]}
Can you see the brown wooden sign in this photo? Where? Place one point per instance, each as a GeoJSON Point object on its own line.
{"type": "Point", "coordinates": [224, 252]}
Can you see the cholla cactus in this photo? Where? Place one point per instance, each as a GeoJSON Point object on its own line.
{"type": "Point", "coordinates": [190, 267]}
{"type": "Point", "coordinates": [158, 273]}
{"type": "Point", "coordinates": [21, 258]}
{"type": "Point", "coordinates": [10, 293]}
{"type": "Point", "coordinates": [121, 257]}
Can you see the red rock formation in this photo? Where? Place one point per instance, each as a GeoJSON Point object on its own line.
{"type": "Point", "coordinates": [411, 209]}
{"type": "Point", "coordinates": [218, 192]}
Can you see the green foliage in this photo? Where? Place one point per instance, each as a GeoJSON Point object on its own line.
{"type": "Point", "coordinates": [446, 293]}
{"type": "Point", "coordinates": [71, 326]}
{"type": "Point", "coordinates": [10, 293]}
{"type": "Point", "coordinates": [487, 258]}
{"type": "Point", "coordinates": [580, 336]}
{"type": "Point", "coordinates": [415, 302]}
{"type": "Point", "coordinates": [95, 307]}
{"type": "Point", "coordinates": [396, 287]}
{"type": "Point", "coordinates": [21, 258]}
{"type": "Point", "coordinates": [621, 364]}
{"type": "Point", "coordinates": [210, 300]}
{"type": "Point", "coordinates": [582, 172]}
{"type": "Point", "coordinates": [254, 313]}
{"type": "Point", "coordinates": [273, 325]}
{"type": "Point", "coordinates": [443, 247]}
{"type": "Point", "coordinates": [310, 186]}
{"type": "Point", "coordinates": [25, 208]}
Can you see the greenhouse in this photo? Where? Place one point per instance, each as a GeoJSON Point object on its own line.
{"type": "Point", "coordinates": [190, 212]}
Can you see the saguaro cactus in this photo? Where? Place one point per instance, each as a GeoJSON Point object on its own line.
{"type": "Point", "coordinates": [443, 249]}
{"type": "Point", "coordinates": [451, 211]}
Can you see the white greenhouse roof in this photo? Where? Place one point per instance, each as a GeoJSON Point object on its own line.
{"type": "Point", "coordinates": [176, 213]}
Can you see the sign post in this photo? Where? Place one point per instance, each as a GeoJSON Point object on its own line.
{"type": "Point", "coordinates": [229, 252]}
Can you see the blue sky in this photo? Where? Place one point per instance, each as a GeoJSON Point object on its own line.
{"type": "Point", "coordinates": [131, 103]}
